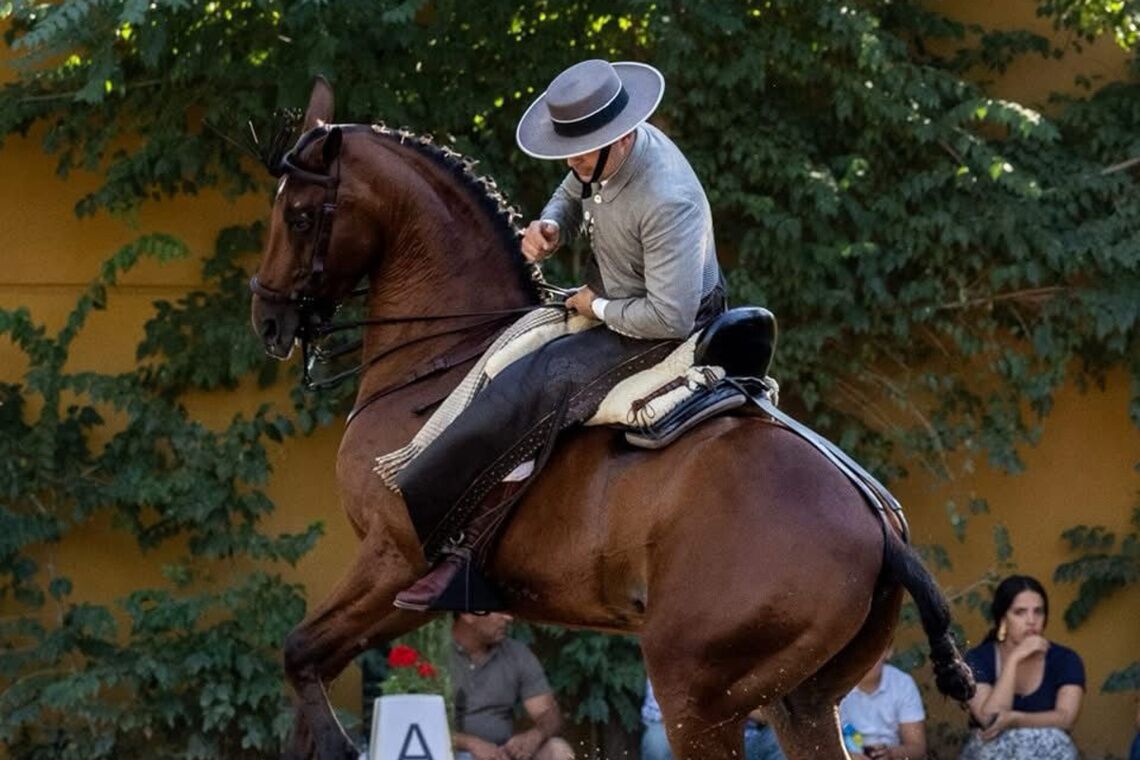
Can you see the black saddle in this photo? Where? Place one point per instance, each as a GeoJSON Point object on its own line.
{"type": "Point", "coordinates": [741, 341]}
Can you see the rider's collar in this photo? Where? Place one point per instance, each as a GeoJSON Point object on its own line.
{"type": "Point", "coordinates": [628, 169]}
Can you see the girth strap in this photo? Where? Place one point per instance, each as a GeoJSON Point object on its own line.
{"type": "Point", "coordinates": [871, 489]}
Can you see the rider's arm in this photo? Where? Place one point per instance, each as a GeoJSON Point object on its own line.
{"type": "Point", "coordinates": [674, 237]}
{"type": "Point", "coordinates": [565, 209]}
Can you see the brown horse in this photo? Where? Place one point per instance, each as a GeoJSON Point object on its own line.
{"type": "Point", "coordinates": [754, 573]}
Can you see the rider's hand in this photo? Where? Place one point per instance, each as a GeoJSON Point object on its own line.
{"type": "Point", "coordinates": [581, 301]}
{"type": "Point", "coordinates": [540, 239]}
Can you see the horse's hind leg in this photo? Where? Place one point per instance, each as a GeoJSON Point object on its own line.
{"type": "Point", "coordinates": [694, 737]}
{"type": "Point", "coordinates": [698, 728]}
{"type": "Point", "coordinates": [807, 726]}
{"type": "Point", "coordinates": [357, 615]}
{"type": "Point", "coordinates": [806, 721]}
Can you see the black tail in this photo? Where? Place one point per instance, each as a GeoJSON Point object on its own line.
{"type": "Point", "coordinates": [951, 673]}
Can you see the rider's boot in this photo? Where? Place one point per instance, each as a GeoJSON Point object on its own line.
{"type": "Point", "coordinates": [455, 583]}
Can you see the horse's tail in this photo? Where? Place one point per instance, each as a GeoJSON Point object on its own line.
{"type": "Point", "coordinates": [951, 673]}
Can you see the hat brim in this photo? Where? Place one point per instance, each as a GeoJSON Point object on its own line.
{"type": "Point", "coordinates": [535, 134]}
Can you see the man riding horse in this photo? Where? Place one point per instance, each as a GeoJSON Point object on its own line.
{"type": "Point", "coordinates": [652, 282]}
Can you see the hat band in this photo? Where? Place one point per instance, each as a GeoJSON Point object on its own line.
{"type": "Point", "coordinates": [594, 121]}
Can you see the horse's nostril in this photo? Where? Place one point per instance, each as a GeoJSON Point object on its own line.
{"type": "Point", "coordinates": [268, 329]}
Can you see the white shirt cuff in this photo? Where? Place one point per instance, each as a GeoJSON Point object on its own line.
{"type": "Point", "coordinates": [599, 307]}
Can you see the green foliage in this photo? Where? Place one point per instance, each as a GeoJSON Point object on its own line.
{"type": "Point", "coordinates": [190, 665]}
{"type": "Point", "coordinates": [941, 260]}
{"type": "Point", "coordinates": [1127, 679]}
{"type": "Point", "coordinates": [601, 674]}
{"type": "Point", "coordinates": [1101, 569]}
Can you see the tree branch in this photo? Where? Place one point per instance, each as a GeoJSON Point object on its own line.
{"type": "Point", "coordinates": [1121, 166]}
{"type": "Point", "coordinates": [1028, 294]}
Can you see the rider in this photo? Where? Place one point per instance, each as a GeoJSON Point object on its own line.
{"type": "Point", "coordinates": [653, 281]}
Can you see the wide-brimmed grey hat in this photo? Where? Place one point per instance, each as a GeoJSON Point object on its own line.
{"type": "Point", "coordinates": [588, 106]}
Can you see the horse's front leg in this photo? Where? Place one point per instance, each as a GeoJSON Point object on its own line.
{"type": "Point", "coordinates": [356, 616]}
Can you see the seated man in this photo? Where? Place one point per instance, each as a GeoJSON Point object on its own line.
{"type": "Point", "coordinates": [490, 675]}
{"type": "Point", "coordinates": [886, 709]}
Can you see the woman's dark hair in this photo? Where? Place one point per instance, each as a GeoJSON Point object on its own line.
{"type": "Point", "coordinates": [1004, 595]}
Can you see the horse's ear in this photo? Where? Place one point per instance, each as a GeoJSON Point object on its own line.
{"type": "Point", "coordinates": [320, 108]}
{"type": "Point", "coordinates": [331, 147]}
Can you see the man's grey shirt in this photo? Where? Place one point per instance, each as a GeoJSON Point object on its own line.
{"type": "Point", "coordinates": [485, 695]}
{"type": "Point", "coordinates": [651, 231]}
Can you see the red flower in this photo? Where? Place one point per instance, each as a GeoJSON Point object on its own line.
{"type": "Point", "coordinates": [402, 656]}
{"type": "Point", "coordinates": [426, 670]}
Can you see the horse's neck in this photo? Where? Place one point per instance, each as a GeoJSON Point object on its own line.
{"type": "Point", "coordinates": [446, 255]}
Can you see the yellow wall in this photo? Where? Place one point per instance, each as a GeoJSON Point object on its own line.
{"type": "Point", "coordinates": [1080, 472]}
{"type": "Point", "coordinates": [1030, 79]}
{"type": "Point", "coordinates": [49, 256]}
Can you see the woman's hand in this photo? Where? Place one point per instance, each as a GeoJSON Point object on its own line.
{"type": "Point", "coordinates": [1004, 720]}
{"type": "Point", "coordinates": [1030, 646]}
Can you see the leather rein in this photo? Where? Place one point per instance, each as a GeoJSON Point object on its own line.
{"type": "Point", "coordinates": [316, 313]}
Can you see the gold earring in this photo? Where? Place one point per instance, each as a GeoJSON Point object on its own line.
{"type": "Point", "coordinates": [1001, 631]}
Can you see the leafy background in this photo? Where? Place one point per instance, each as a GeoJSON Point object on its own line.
{"type": "Point", "coordinates": [943, 262]}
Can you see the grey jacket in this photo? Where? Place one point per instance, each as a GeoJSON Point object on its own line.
{"type": "Point", "coordinates": [650, 228]}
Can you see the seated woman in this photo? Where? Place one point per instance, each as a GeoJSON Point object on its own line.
{"type": "Point", "coordinates": [1029, 688]}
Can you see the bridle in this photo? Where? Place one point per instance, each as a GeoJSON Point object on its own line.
{"type": "Point", "coordinates": [316, 313]}
{"type": "Point", "coordinates": [304, 297]}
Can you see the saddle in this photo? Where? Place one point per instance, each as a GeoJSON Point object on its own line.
{"type": "Point", "coordinates": [701, 379]}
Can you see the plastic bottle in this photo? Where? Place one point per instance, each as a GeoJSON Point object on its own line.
{"type": "Point", "coordinates": [852, 739]}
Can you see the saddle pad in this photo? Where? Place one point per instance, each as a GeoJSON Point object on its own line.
{"type": "Point", "coordinates": [634, 402]}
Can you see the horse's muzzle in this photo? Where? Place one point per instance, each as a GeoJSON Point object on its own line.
{"type": "Point", "coordinates": [276, 324]}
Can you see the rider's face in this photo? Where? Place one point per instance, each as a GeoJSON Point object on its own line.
{"type": "Point", "coordinates": [584, 164]}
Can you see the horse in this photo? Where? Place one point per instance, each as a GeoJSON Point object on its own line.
{"type": "Point", "coordinates": [753, 572]}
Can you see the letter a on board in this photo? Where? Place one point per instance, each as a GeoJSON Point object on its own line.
{"type": "Point", "coordinates": [423, 753]}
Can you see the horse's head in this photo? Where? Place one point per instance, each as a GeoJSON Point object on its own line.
{"type": "Point", "coordinates": [310, 262]}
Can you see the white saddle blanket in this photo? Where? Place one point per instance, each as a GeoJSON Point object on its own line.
{"type": "Point", "coordinates": [530, 333]}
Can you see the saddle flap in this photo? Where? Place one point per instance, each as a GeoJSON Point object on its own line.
{"type": "Point", "coordinates": [741, 340]}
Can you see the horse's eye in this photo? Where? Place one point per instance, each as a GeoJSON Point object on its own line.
{"type": "Point", "coordinates": [300, 223]}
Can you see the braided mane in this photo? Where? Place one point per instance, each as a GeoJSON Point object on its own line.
{"type": "Point", "coordinates": [504, 216]}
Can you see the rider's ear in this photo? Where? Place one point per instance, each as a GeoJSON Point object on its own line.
{"type": "Point", "coordinates": [331, 147]}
